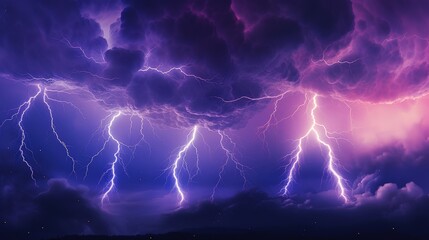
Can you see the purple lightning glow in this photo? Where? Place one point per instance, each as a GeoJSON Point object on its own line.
{"type": "Point", "coordinates": [82, 51]}
{"type": "Point", "coordinates": [227, 145]}
{"type": "Point", "coordinates": [99, 151]}
{"type": "Point", "coordinates": [180, 156]}
{"type": "Point", "coordinates": [178, 69]}
{"type": "Point", "coordinates": [25, 107]}
{"type": "Point", "coordinates": [111, 183]}
{"type": "Point", "coordinates": [296, 153]}
{"type": "Point", "coordinates": [230, 156]}
{"type": "Point", "coordinates": [272, 120]}
{"type": "Point", "coordinates": [116, 156]}
{"type": "Point", "coordinates": [119, 144]}
{"type": "Point", "coordinates": [45, 100]}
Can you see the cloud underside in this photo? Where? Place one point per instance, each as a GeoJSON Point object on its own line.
{"type": "Point", "coordinates": [221, 50]}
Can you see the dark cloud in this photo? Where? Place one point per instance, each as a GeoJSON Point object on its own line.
{"type": "Point", "coordinates": [37, 39]}
{"type": "Point", "coordinates": [211, 40]}
{"type": "Point", "coordinates": [254, 211]}
{"type": "Point", "coordinates": [385, 161]}
{"type": "Point", "coordinates": [353, 49]}
{"type": "Point", "coordinates": [382, 59]}
{"type": "Point", "coordinates": [62, 209]}
{"type": "Point", "coordinates": [122, 64]}
{"type": "Point", "coordinates": [389, 197]}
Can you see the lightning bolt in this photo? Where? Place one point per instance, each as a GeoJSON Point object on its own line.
{"type": "Point", "coordinates": [112, 169]}
{"type": "Point", "coordinates": [178, 160]}
{"type": "Point", "coordinates": [113, 116]}
{"type": "Point", "coordinates": [170, 70]}
{"type": "Point", "coordinates": [101, 149]}
{"type": "Point", "coordinates": [296, 153]}
{"type": "Point", "coordinates": [21, 111]}
{"type": "Point", "coordinates": [230, 156]}
{"type": "Point", "coordinates": [273, 120]}
{"type": "Point", "coordinates": [26, 105]}
{"type": "Point", "coordinates": [142, 135]}
{"type": "Point", "coordinates": [65, 40]}
{"type": "Point", "coordinates": [45, 100]}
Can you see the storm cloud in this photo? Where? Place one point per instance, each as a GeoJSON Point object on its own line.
{"type": "Point", "coordinates": [181, 61]}
{"type": "Point", "coordinates": [62, 209]}
{"type": "Point", "coordinates": [255, 212]}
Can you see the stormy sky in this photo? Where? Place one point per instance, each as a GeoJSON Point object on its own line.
{"type": "Point", "coordinates": [293, 116]}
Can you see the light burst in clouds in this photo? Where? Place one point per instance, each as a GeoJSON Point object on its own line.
{"type": "Point", "coordinates": [318, 130]}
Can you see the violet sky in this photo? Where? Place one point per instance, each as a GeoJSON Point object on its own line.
{"type": "Point", "coordinates": [245, 73]}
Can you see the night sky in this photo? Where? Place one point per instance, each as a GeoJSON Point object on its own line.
{"type": "Point", "coordinates": [303, 118]}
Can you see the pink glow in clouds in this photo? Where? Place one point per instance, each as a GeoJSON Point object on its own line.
{"type": "Point", "coordinates": [406, 123]}
{"type": "Point", "coordinates": [385, 57]}
{"type": "Point", "coordinates": [362, 127]}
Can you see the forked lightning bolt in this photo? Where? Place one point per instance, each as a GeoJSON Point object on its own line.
{"type": "Point", "coordinates": [296, 155]}
{"type": "Point", "coordinates": [112, 170]}
{"type": "Point", "coordinates": [27, 105]}
{"type": "Point", "coordinates": [230, 156]}
{"type": "Point", "coordinates": [22, 110]}
{"type": "Point", "coordinates": [111, 184]}
{"type": "Point", "coordinates": [45, 100]}
{"type": "Point", "coordinates": [177, 163]}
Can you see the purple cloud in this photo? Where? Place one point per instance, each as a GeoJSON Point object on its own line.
{"type": "Point", "coordinates": [181, 58]}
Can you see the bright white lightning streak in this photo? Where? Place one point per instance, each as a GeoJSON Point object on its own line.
{"type": "Point", "coordinates": [111, 183]}
{"type": "Point", "coordinates": [45, 100]}
{"type": "Point", "coordinates": [106, 141]}
{"type": "Point", "coordinates": [298, 150]}
{"type": "Point", "coordinates": [177, 161]}
{"type": "Point", "coordinates": [27, 105]}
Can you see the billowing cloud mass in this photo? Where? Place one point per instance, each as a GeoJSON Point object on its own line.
{"type": "Point", "coordinates": [256, 212]}
{"type": "Point", "coordinates": [107, 70]}
{"type": "Point", "coordinates": [62, 209]}
{"type": "Point", "coordinates": [179, 60]}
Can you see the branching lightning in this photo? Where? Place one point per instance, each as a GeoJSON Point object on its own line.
{"type": "Point", "coordinates": [111, 171]}
{"type": "Point", "coordinates": [45, 100]}
{"type": "Point", "coordinates": [172, 69]}
{"type": "Point", "coordinates": [227, 145]}
{"type": "Point", "coordinates": [26, 105]}
{"type": "Point", "coordinates": [230, 156]}
{"type": "Point", "coordinates": [82, 51]}
{"type": "Point", "coordinates": [179, 160]}
{"type": "Point", "coordinates": [22, 110]}
{"type": "Point", "coordinates": [111, 184]}
{"type": "Point", "coordinates": [296, 155]}
{"type": "Point", "coordinates": [272, 120]}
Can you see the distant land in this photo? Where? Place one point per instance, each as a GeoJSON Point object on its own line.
{"type": "Point", "coordinates": [235, 236]}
